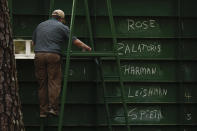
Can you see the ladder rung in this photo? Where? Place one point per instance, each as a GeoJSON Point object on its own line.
{"type": "Point", "coordinates": [93, 54]}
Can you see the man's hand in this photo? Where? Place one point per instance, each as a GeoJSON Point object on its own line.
{"type": "Point", "coordinates": [88, 48]}
{"type": "Point", "coordinates": [82, 45]}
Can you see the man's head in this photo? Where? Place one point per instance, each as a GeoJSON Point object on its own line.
{"type": "Point", "coordinates": [59, 15]}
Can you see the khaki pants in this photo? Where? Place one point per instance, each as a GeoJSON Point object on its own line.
{"type": "Point", "coordinates": [48, 74]}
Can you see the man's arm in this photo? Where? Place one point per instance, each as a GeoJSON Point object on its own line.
{"type": "Point", "coordinates": [82, 45]}
{"type": "Point", "coordinates": [76, 41]}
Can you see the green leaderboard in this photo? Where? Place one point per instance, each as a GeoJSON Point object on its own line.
{"type": "Point", "coordinates": [140, 76]}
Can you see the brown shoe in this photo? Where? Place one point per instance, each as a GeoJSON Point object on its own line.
{"type": "Point", "coordinates": [43, 115]}
{"type": "Point", "coordinates": [52, 112]}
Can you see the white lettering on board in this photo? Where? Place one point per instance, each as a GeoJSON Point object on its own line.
{"type": "Point", "coordinates": [141, 24]}
{"type": "Point", "coordinates": [141, 47]}
{"type": "Point", "coordinates": [135, 70]}
{"type": "Point", "coordinates": [145, 114]}
{"type": "Point", "coordinates": [136, 114]}
{"type": "Point", "coordinates": [188, 116]}
{"type": "Point", "coordinates": [147, 92]}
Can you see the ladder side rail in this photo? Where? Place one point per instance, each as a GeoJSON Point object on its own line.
{"type": "Point", "coordinates": [105, 95]}
{"type": "Point", "coordinates": [68, 53]}
{"type": "Point", "coordinates": [89, 24]}
{"type": "Point", "coordinates": [111, 19]}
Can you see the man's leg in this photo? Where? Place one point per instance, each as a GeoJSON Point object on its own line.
{"type": "Point", "coordinates": [41, 75]}
{"type": "Point", "coordinates": [54, 81]}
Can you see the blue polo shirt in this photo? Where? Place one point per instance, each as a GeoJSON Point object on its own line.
{"type": "Point", "coordinates": [50, 36]}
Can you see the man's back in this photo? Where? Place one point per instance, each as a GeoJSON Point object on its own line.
{"type": "Point", "coordinates": [49, 36]}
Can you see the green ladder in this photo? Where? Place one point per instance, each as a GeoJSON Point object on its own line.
{"type": "Point", "coordinates": [94, 55]}
{"type": "Point", "coordinates": [65, 78]}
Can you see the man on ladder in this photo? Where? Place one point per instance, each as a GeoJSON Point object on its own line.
{"type": "Point", "coordinates": [48, 38]}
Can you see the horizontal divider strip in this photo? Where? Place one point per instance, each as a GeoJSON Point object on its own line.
{"type": "Point", "coordinates": [103, 125]}
{"type": "Point", "coordinates": [83, 15]}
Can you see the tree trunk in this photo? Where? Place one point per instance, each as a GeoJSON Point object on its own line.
{"type": "Point", "coordinates": [10, 106]}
